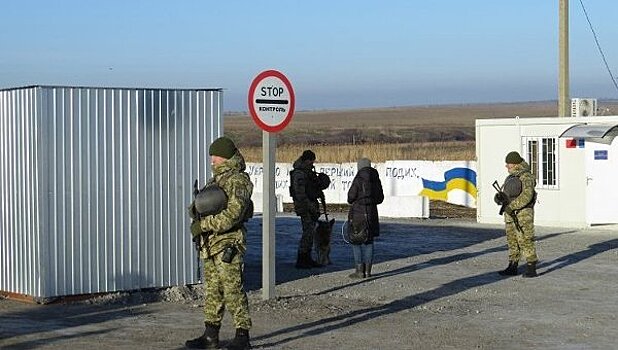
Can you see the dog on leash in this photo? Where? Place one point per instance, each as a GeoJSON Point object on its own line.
{"type": "Point", "coordinates": [322, 239]}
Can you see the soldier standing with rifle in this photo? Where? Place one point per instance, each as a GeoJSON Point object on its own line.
{"type": "Point", "coordinates": [517, 198]}
{"type": "Point", "coordinates": [219, 231]}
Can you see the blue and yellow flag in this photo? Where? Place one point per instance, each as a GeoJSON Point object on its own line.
{"type": "Point", "coordinates": [457, 178]}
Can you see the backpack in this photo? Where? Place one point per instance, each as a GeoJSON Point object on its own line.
{"type": "Point", "coordinates": [248, 213]}
{"type": "Point", "coordinates": [292, 192]}
{"type": "Point", "coordinates": [316, 183]}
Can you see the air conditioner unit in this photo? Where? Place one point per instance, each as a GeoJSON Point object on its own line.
{"type": "Point", "coordinates": [583, 107]}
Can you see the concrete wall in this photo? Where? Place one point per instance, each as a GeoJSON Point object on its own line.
{"type": "Point", "coordinates": [453, 182]}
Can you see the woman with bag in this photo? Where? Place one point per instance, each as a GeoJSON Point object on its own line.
{"type": "Point", "coordinates": [363, 223]}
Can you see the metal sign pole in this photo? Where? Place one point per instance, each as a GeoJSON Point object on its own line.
{"type": "Point", "coordinates": [269, 145]}
{"type": "Point", "coordinates": [271, 102]}
{"type": "Point", "coordinates": [564, 104]}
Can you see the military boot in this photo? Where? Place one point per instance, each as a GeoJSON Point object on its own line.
{"type": "Point", "coordinates": [240, 341]}
{"type": "Point", "coordinates": [511, 270]}
{"type": "Point", "coordinates": [368, 270]}
{"type": "Point", "coordinates": [359, 273]}
{"type": "Point", "coordinates": [208, 340]}
{"type": "Point", "coordinates": [530, 270]}
{"type": "Point", "coordinates": [302, 262]}
{"type": "Point", "coordinates": [312, 262]}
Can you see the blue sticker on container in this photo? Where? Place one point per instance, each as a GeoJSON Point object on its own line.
{"type": "Point", "coordinates": [602, 155]}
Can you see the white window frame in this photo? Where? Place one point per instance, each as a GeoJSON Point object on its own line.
{"type": "Point", "coordinates": [544, 162]}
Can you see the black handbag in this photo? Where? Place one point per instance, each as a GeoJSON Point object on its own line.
{"type": "Point", "coordinates": [358, 230]}
{"type": "Point", "coordinates": [358, 233]}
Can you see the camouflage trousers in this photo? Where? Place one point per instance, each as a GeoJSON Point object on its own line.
{"type": "Point", "coordinates": [306, 239]}
{"type": "Point", "coordinates": [521, 243]}
{"type": "Point", "coordinates": [223, 287]}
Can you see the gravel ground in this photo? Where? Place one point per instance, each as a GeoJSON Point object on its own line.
{"type": "Point", "coordinates": [435, 286]}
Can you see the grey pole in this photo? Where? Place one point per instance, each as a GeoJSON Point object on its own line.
{"type": "Point", "coordinates": [564, 103]}
{"type": "Point", "coordinates": [269, 146]}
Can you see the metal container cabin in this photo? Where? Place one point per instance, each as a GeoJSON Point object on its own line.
{"type": "Point", "coordinates": [94, 185]}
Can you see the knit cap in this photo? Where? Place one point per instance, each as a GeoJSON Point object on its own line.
{"type": "Point", "coordinates": [363, 163]}
{"type": "Point", "coordinates": [513, 158]}
{"type": "Point", "coordinates": [223, 147]}
{"type": "Point", "coordinates": [307, 155]}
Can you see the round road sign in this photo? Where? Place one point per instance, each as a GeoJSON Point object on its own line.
{"type": "Point", "coordinates": [271, 101]}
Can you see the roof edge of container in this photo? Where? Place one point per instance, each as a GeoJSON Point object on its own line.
{"type": "Point", "coordinates": [106, 87]}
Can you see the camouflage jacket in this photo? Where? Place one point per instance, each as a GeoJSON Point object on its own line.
{"type": "Point", "coordinates": [304, 185]}
{"type": "Point", "coordinates": [227, 227]}
{"type": "Point", "coordinates": [521, 204]}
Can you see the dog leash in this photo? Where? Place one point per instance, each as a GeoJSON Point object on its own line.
{"type": "Point", "coordinates": [343, 230]}
{"type": "Point", "coordinates": [323, 200]}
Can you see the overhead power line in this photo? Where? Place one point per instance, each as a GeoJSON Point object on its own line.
{"type": "Point", "coordinates": [596, 40]}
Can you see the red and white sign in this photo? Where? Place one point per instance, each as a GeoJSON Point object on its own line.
{"type": "Point", "coordinates": [271, 101]}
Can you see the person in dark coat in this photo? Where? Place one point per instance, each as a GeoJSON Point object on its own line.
{"type": "Point", "coordinates": [305, 192]}
{"type": "Point", "coordinates": [364, 196]}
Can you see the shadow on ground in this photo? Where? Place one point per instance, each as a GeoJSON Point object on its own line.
{"type": "Point", "coordinates": [397, 240]}
{"type": "Point", "coordinates": [58, 321]}
{"type": "Point", "coordinates": [453, 287]}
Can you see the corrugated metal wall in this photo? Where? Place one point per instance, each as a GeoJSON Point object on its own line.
{"type": "Point", "coordinates": [19, 192]}
{"type": "Point", "coordinates": [99, 178]}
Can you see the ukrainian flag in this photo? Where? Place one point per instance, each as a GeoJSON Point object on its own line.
{"type": "Point", "coordinates": [457, 178]}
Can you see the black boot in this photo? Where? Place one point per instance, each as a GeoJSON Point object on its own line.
{"type": "Point", "coordinates": [302, 262]}
{"type": "Point", "coordinates": [511, 270]}
{"type": "Point", "coordinates": [208, 340]}
{"type": "Point", "coordinates": [359, 272]}
{"type": "Point", "coordinates": [368, 270]}
{"type": "Point", "coordinates": [530, 269]}
{"type": "Point", "coordinates": [240, 341]}
{"type": "Point", "coordinates": [312, 262]}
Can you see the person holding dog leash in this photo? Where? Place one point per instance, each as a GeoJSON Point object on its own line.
{"type": "Point", "coordinates": [305, 191]}
{"type": "Point", "coordinates": [221, 238]}
{"type": "Point", "coordinates": [364, 195]}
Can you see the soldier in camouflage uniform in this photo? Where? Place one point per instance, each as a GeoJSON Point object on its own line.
{"type": "Point", "coordinates": [223, 237]}
{"type": "Point", "coordinates": [518, 199]}
{"type": "Point", "coordinates": [305, 192]}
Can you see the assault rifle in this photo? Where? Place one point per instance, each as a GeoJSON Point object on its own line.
{"type": "Point", "coordinates": [197, 240]}
{"type": "Point", "coordinates": [195, 188]}
{"type": "Point", "coordinates": [322, 199]}
{"type": "Point", "coordinates": [503, 200]}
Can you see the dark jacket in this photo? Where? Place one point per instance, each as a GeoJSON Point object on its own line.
{"type": "Point", "coordinates": [304, 190]}
{"type": "Point", "coordinates": [364, 195]}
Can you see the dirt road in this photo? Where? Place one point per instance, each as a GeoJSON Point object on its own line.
{"type": "Point", "coordinates": [435, 287]}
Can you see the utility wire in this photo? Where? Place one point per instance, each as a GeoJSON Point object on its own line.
{"type": "Point", "coordinates": [596, 40]}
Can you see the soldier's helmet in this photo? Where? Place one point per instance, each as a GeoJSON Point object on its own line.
{"type": "Point", "coordinates": [210, 200]}
{"type": "Point", "coordinates": [512, 186]}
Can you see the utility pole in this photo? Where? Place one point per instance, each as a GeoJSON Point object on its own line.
{"type": "Point", "coordinates": [564, 103]}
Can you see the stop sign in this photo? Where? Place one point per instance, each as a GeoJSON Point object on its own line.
{"type": "Point", "coordinates": [271, 101]}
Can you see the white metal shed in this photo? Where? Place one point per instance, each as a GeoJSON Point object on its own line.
{"type": "Point", "coordinates": [94, 183]}
{"type": "Point", "coordinates": [575, 161]}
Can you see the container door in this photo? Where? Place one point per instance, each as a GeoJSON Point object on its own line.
{"type": "Point", "coordinates": [601, 186]}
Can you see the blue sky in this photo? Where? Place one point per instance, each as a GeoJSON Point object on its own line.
{"type": "Point", "coordinates": [337, 54]}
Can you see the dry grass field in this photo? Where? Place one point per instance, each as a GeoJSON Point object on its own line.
{"type": "Point", "coordinates": [377, 152]}
{"type": "Point", "coordinates": [442, 132]}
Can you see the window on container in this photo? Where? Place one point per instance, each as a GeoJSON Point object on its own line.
{"type": "Point", "coordinates": [542, 158]}
{"type": "Point", "coordinates": [548, 151]}
{"type": "Point", "coordinates": [533, 157]}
